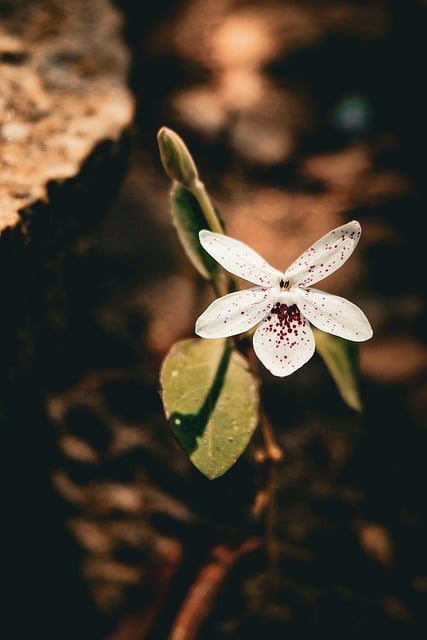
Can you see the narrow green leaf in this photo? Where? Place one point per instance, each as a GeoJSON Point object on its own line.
{"type": "Point", "coordinates": [189, 219]}
{"type": "Point", "coordinates": [341, 358]}
{"type": "Point", "coordinates": [211, 401]}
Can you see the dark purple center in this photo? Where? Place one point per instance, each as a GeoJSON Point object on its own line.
{"type": "Point", "coordinates": [288, 316]}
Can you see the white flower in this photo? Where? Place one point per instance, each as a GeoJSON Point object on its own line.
{"type": "Point", "coordinates": [283, 305]}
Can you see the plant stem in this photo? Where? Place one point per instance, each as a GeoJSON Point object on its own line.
{"type": "Point", "coordinates": [198, 190]}
{"type": "Point", "coordinates": [268, 456]}
{"type": "Point", "coordinates": [226, 282]}
{"type": "Point", "coordinates": [272, 450]}
{"type": "Point", "coordinates": [199, 603]}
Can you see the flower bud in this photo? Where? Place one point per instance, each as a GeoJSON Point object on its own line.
{"type": "Point", "coordinates": [176, 158]}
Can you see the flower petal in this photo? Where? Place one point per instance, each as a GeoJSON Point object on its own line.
{"type": "Point", "coordinates": [284, 344]}
{"type": "Point", "coordinates": [238, 258]}
{"type": "Point", "coordinates": [334, 315]}
{"type": "Point", "coordinates": [325, 256]}
{"type": "Point", "coordinates": [234, 313]}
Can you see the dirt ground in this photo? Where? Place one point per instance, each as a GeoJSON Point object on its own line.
{"type": "Point", "coordinates": [300, 116]}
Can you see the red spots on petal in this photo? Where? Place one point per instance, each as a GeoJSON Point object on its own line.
{"type": "Point", "coordinates": [288, 322]}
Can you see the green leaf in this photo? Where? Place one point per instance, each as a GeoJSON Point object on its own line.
{"type": "Point", "coordinates": [189, 219]}
{"type": "Point", "coordinates": [211, 401]}
{"type": "Point", "coordinates": [341, 358]}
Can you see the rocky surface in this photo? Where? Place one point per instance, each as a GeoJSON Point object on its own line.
{"type": "Point", "coordinates": [63, 91]}
{"type": "Point", "coordinates": [65, 114]}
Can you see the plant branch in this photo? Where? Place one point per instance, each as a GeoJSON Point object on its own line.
{"type": "Point", "coordinates": [200, 601]}
{"type": "Point", "coordinates": [272, 450]}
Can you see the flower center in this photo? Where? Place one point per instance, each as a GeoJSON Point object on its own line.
{"type": "Point", "coordinates": [287, 315]}
{"type": "Point", "coordinates": [284, 285]}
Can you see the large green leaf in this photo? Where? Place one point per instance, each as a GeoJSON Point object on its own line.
{"type": "Point", "coordinates": [189, 219]}
{"type": "Point", "coordinates": [211, 401]}
{"type": "Point", "coordinates": [341, 358]}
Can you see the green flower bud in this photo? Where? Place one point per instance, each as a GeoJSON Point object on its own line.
{"type": "Point", "coordinates": [176, 158]}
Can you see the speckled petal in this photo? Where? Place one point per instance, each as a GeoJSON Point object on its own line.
{"type": "Point", "coordinates": [334, 315]}
{"type": "Point", "coordinates": [325, 256]}
{"type": "Point", "coordinates": [238, 258]}
{"type": "Point", "coordinates": [234, 313]}
{"type": "Point", "coordinates": [284, 342]}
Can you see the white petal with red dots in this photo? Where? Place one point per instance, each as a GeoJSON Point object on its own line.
{"type": "Point", "coordinates": [238, 258]}
{"type": "Point", "coordinates": [234, 313]}
{"type": "Point", "coordinates": [284, 341]}
{"type": "Point", "coordinates": [325, 256]}
{"type": "Point", "coordinates": [284, 306]}
{"type": "Point", "coordinates": [334, 315]}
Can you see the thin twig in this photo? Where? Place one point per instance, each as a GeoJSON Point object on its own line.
{"type": "Point", "coordinates": [138, 625]}
{"type": "Point", "coordinates": [200, 601]}
{"type": "Point", "coordinates": [269, 455]}
{"type": "Point", "coordinates": [272, 450]}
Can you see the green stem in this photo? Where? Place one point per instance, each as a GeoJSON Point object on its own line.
{"type": "Point", "coordinates": [227, 283]}
{"type": "Point", "coordinates": [198, 190]}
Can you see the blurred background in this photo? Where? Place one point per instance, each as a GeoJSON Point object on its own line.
{"type": "Point", "coordinates": [300, 116]}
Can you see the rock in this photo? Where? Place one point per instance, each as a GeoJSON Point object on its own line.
{"type": "Point", "coordinates": [62, 91]}
{"type": "Point", "coordinates": [65, 115]}
{"type": "Point", "coordinates": [65, 112]}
